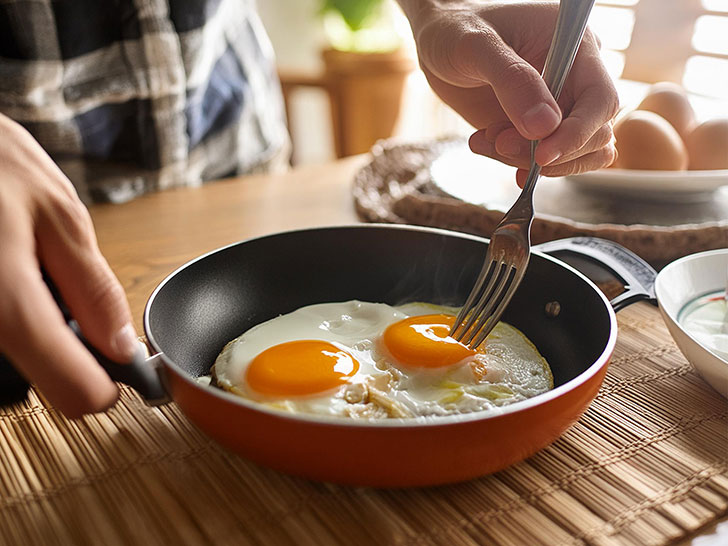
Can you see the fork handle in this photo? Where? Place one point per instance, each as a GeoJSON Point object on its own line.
{"type": "Point", "coordinates": [570, 27]}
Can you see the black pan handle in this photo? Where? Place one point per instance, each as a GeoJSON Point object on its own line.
{"type": "Point", "coordinates": [588, 253]}
{"type": "Point", "coordinates": [141, 373]}
{"type": "Point", "coordinates": [13, 386]}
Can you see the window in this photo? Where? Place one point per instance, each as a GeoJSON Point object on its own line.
{"type": "Point", "coordinates": [677, 40]}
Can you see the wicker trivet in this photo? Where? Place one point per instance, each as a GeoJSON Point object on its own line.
{"type": "Point", "coordinates": [396, 186]}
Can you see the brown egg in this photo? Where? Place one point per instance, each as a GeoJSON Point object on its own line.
{"type": "Point", "coordinates": [670, 101]}
{"type": "Point", "coordinates": [645, 140]}
{"type": "Point", "coordinates": [707, 145]}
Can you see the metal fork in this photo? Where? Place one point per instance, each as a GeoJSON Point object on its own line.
{"type": "Point", "coordinates": [510, 244]}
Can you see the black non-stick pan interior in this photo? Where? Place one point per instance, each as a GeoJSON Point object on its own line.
{"type": "Point", "coordinates": [214, 299]}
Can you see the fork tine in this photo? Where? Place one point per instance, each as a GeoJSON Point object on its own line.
{"type": "Point", "coordinates": [484, 298]}
{"type": "Point", "coordinates": [492, 319]}
{"type": "Point", "coordinates": [483, 303]}
{"type": "Point", "coordinates": [484, 275]}
{"type": "Point", "coordinates": [493, 299]}
{"type": "Point", "coordinates": [493, 280]}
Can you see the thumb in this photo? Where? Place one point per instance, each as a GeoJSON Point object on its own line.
{"type": "Point", "coordinates": [519, 88]}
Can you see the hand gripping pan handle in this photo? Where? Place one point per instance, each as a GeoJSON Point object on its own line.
{"type": "Point", "coordinates": [141, 373]}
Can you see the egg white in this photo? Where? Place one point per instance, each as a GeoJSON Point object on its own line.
{"type": "Point", "coordinates": [383, 388]}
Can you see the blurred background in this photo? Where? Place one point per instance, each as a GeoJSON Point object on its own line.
{"type": "Point", "coordinates": [349, 72]}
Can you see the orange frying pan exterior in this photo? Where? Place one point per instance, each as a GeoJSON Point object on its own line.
{"type": "Point", "coordinates": [404, 454]}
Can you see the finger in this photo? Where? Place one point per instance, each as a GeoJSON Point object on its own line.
{"type": "Point", "coordinates": [598, 159]}
{"type": "Point", "coordinates": [521, 177]}
{"type": "Point", "coordinates": [489, 134]}
{"type": "Point", "coordinates": [602, 138]}
{"type": "Point", "coordinates": [518, 86]}
{"type": "Point", "coordinates": [480, 144]}
{"type": "Point", "coordinates": [595, 103]}
{"type": "Point", "coordinates": [68, 250]}
{"type": "Point", "coordinates": [494, 129]}
{"type": "Point", "coordinates": [512, 145]}
{"type": "Point", "coordinates": [43, 348]}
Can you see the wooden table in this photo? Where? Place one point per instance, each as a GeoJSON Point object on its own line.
{"type": "Point", "coordinates": [148, 238]}
{"type": "Point", "coordinates": [140, 475]}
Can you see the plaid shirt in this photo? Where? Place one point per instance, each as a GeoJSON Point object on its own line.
{"type": "Point", "coordinates": [131, 96]}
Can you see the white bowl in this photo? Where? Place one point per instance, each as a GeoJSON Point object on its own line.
{"type": "Point", "coordinates": [680, 283]}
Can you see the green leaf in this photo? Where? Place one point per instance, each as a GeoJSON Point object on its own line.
{"type": "Point", "coordinates": [354, 12]}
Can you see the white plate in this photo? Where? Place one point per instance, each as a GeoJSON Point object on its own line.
{"type": "Point", "coordinates": [680, 283]}
{"type": "Point", "coordinates": [671, 186]}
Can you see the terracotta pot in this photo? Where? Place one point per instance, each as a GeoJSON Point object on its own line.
{"type": "Point", "coordinates": [365, 90]}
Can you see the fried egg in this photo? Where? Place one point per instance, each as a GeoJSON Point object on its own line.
{"type": "Point", "coordinates": [371, 360]}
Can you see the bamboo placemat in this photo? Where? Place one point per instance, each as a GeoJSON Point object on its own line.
{"type": "Point", "coordinates": [647, 464]}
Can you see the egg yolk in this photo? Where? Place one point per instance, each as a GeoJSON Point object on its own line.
{"type": "Point", "coordinates": [300, 368]}
{"type": "Point", "coordinates": [424, 342]}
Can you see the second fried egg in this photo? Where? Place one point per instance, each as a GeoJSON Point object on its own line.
{"type": "Point", "coordinates": [372, 360]}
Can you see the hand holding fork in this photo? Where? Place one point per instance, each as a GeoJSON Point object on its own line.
{"type": "Point", "coordinates": [510, 244]}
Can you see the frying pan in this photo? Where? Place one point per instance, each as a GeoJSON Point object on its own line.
{"type": "Point", "coordinates": [204, 304]}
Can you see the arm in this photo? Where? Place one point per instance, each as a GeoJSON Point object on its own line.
{"type": "Point", "coordinates": [484, 58]}
{"type": "Point", "coordinates": [44, 224]}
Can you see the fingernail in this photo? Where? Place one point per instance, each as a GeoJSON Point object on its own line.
{"type": "Point", "coordinates": [508, 147]}
{"type": "Point", "coordinates": [492, 131]}
{"type": "Point", "coordinates": [479, 145]}
{"type": "Point", "coordinates": [540, 121]}
{"type": "Point", "coordinates": [125, 343]}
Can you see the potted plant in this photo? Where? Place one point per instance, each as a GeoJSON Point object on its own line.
{"type": "Point", "coordinates": [366, 69]}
